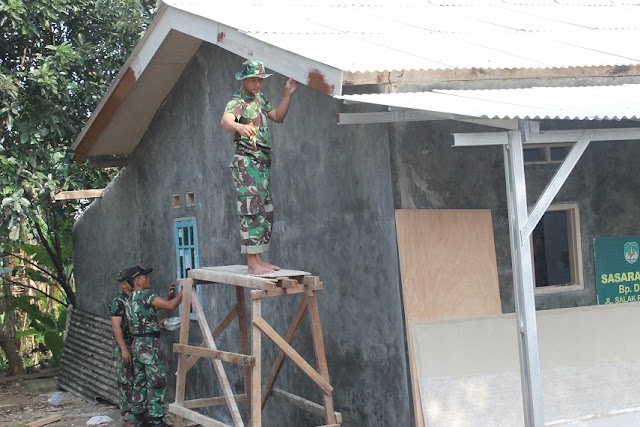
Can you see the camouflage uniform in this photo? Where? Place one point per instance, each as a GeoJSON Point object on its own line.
{"type": "Point", "coordinates": [150, 380]}
{"type": "Point", "coordinates": [124, 373]}
{"type": "Point", "coordinates": [250, 169]}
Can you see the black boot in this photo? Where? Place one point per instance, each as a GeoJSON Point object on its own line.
{"type": "Point", "coordinates": [140, 421]}
{"type": "Point", "coordinates": [157, 422]}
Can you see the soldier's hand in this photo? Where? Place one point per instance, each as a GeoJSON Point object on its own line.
{"type": "Point", "coordinates": [162, 322]}
{"type": "Point", "coordinates": [291, 86]}
{"type": "Point", "coordinates": [126, 357]}
{"type": "Point", "coordinates": [246, 130]}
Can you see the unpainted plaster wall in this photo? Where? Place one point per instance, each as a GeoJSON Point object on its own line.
{"type": "Point", "coordinates": [334, 218]}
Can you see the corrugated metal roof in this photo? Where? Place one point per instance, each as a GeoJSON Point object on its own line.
{"type": "Point", "coordinates": [430, 35]}
{"type": "Point", "coordinates": [580, 103]}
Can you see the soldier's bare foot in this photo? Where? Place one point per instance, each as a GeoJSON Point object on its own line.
{"type": "Point", "coordinates": [254, 266]}
{"type": "Point", "coordinates": [267, 265]}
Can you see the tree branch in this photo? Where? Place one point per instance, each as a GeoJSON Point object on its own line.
{"type": "Point", "coordinates": [35, 289]}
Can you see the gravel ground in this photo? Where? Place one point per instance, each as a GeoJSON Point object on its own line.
{"type": "Point", "coordinates": [25, 401]}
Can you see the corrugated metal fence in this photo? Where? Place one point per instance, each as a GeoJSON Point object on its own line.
{"type": "Point", "coordinates": [87, 368]}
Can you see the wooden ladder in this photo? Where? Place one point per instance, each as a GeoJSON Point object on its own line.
{"type": "Point", "coordinates": [250, 358]}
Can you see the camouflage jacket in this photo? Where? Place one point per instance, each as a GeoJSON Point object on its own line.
{"type": "Point", "coordinates": [252, 109]}
{"type": "Point", "coordinates": [118, 308]}
{"type": "Point", "coordinates": [142, 315]}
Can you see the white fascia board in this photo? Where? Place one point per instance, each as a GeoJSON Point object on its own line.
{"type": "Point", "coordinates": [544, 137]}
{"type": "Point", "coordinates": [137, 62]}
{"type": "Point", "coordinates": [304, 70]}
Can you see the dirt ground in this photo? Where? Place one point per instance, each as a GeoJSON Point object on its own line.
{"type": "Point", "coordinates": [25, 401]}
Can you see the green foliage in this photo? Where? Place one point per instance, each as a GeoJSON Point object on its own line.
{"type": "Point", "coordinates": [57, 60]}
{"type": "Point", "coordinates": [46, 327]}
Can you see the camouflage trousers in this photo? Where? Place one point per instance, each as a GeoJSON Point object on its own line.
{"type": "Point", "coordinates": [150, 377]}
{"type": "Point", "coordinates": [124, 379]}
{"type": "Point", "coordinates": [255, 208]}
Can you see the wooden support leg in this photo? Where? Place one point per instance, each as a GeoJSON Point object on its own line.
{"type": "Point", "coordinates": [193, 359]}
{"type": "Point", "coordinates": [181, 374]}
{"type": "Point", "coordinates": [321, 358]}
{"type": "Point", "coordinates": [256, 370]}
{"type": "Point", "coordinates": [277, 365]}
{"type": "Point", "coordinates": [217, 364]}
{"type": "Point", "coordinates": [244, 336]}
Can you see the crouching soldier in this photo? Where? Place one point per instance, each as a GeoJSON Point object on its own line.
{"type": "Point", "coordinates": [150, 377]}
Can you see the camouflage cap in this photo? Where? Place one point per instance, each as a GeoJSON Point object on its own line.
{"type": "Point", "coordinates": [122, 275]}
{"type": "Point", "coordinates": [252, 68]}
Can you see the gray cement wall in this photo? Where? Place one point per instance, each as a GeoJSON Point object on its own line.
{"type": "Point", "coordinates": [428, 173]}
{"type": "Point", "coordinates": [334, 217]}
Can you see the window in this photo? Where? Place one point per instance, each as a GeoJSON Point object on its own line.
{"type": "Point", "coordinates": [549, 153]}
{"type": "Point", "coordinates": [187, 258]}
{"type": "Point", "coordinates": [556, 250]}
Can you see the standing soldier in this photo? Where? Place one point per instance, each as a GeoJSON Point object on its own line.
{"type": "Point", "coordinates": [246, 117]}
{"type": "Point", "coordinates": [150, 377]}
{"type": "Point", "coordinates": [122, 347]}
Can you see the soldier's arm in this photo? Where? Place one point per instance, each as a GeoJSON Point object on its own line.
{"type": "Point", "coordinates": [164, 304]}
{"type": "Point", "coordinates": [228, 123]}
{"type": "Point", "coordinates": [277, 115]}
{"type": "Point", "coordinates": [116, 323]}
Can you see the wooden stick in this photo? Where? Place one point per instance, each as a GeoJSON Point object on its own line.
{"type": "Point", "coordinates": [45, 421]}
{"type": "Point", "coordinates": [225, 356]}
{"type": "Point", "coordinates": [277, 365]}
{"type": "Point", "coordinates": [211, 401]}
{"type": "Point", "coordinates": [245, 348]}
{"type": "Point", "coordinates": [204, 421]}
{"type": "Point", "coordinates": [280, 292]}
{"type": "Point", "coordinates": [181, 373]}
{"type": "Point", "coordinates": [44, 373]}
{"type": "Point", "coordinates": [303, 403]}
{"type": "Point", "coordinates": [255, 409]}
{"type": "Point", "coordinates": [321, 358]}
{"type": "Point", "coordinates": [192, 360]}
{"type": "Point", "coordinates": [220, 372]}
{"type": "Point", "coordinates": [293, 355]}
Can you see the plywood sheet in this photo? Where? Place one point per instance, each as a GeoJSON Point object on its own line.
{"type": "Point", "coordinates": [448, 270]}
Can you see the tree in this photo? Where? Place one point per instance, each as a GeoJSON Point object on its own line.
{"type": "Point", "coordinates": [57, 59]}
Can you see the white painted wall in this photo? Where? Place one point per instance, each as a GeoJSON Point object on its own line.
{"type": "Point", "coordinates": [469, 370]}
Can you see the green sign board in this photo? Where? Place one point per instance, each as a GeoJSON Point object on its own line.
{"type": "Point", "coordinates": [617, 269]}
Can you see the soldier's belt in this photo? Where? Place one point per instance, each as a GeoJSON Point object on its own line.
{"type": "Point", "coordinates": [155, 334]}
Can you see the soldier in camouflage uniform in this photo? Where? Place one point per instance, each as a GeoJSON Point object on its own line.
{"type": "Point", "coordinates": [246, 116]}
{"type": "Point", "coordinates": [122, 346]}
{"type": "Point", "coordinates": [150, 377]}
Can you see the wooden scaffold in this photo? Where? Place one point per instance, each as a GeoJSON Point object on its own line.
{"type": "Point", "coordinates": [255, 394]}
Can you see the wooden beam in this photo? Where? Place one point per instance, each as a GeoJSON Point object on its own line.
{"type": "Point", "coordinates": [241, 310]}
{"type": "Point", "coordinates": [303, 404]}
{"type": "Point", "coordinates": [191, 415]}
{"type": "Point", "coordinates": [255, 407]}
{"type": "Point", "coordinates": [181, 374]}
{"type": "Point", "coordinates": [277, 365]}
{"type": "Point", "coordinates": [321, 358]}
{"type": "Point", "coordinates": [217, 365]}
{"type": "Point", "coordinates": [79, 194]}
{"type": "Point", "coordinates": [211, 401]}
{"type": "Point", "coordinates": [278, 292]}
{"type": "Point", "coordinates": [192, 360]}
{"type": "Point", "coordinates": [45, 421]}
{"type": "Point", "coordinates": [225, 356]}
{"type": "Point", "coordinates": [293, 355]}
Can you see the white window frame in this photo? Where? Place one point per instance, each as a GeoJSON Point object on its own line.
{"type": "Point", "coordinates": [575, 251]}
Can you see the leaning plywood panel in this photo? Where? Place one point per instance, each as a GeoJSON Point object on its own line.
{"type": "Point", "coordinates": [448, 269]}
